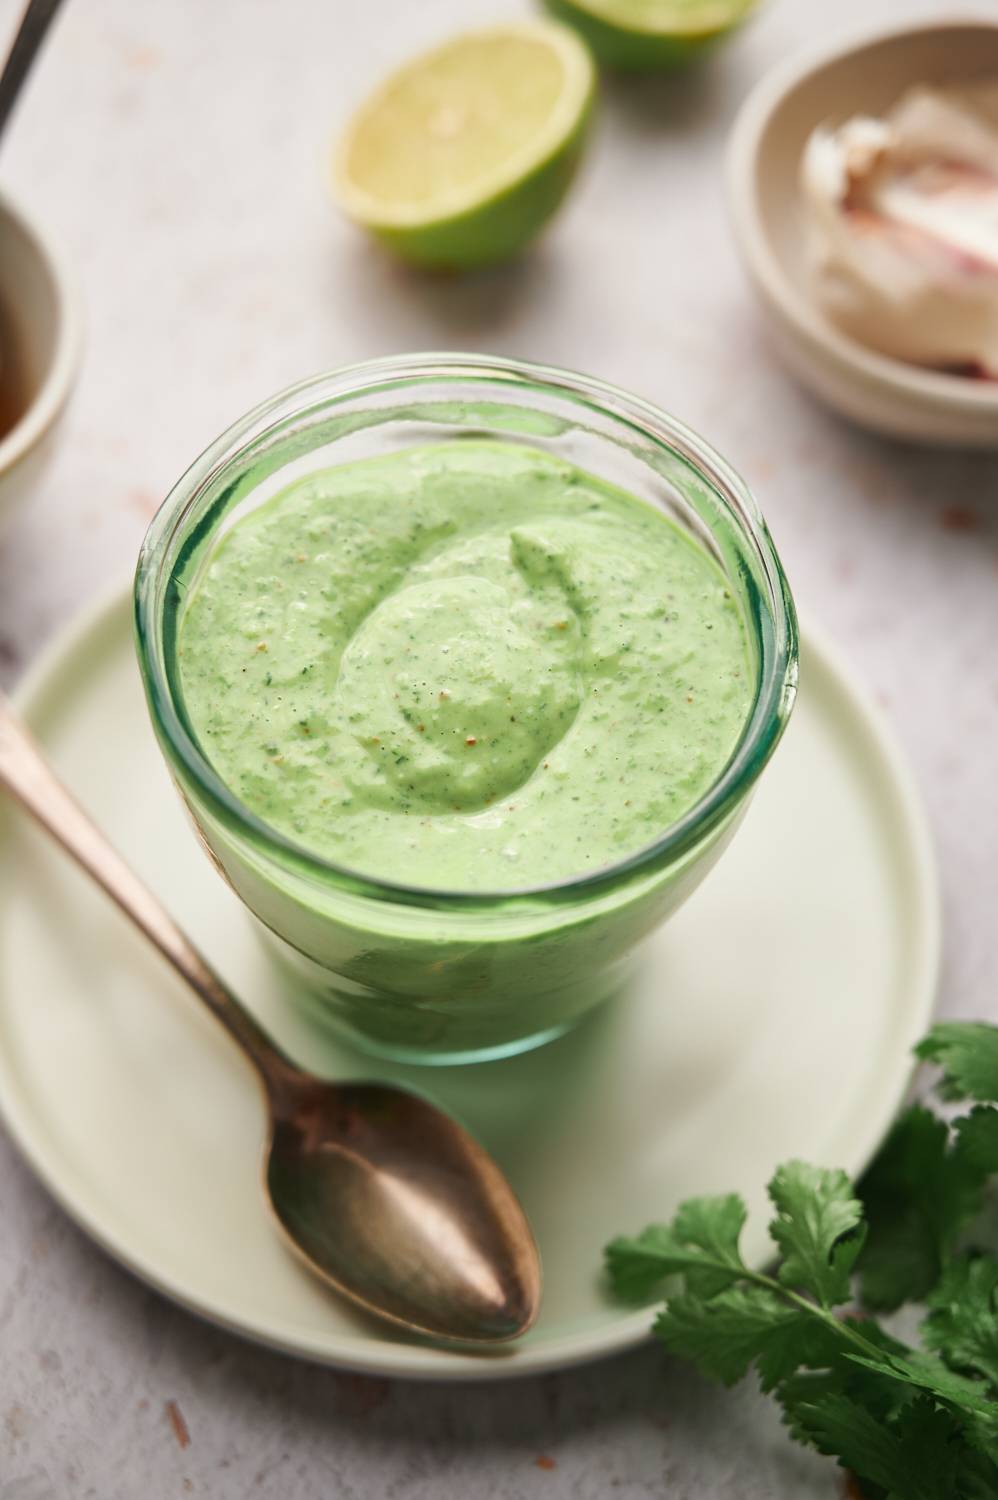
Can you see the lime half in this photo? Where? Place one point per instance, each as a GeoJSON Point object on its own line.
{"type": "Point", "coordinates": [649, 34]}
{"type": "Point", "coordinates": [460, 157]}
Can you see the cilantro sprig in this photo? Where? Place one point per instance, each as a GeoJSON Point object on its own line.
{"type": "Point", "coordinates": [909, 1423]}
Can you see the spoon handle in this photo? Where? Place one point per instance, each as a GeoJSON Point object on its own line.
{"type": "Point", "coordinates": [27, 775]}
{"type": "Point", "coordinates": [30, 35]}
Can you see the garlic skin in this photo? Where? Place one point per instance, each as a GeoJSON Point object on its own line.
{"type": "Point", "coordinates": [902, 244]}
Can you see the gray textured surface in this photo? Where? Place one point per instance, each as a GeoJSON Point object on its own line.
{"type": "Point", "coordinates": [178, 150]}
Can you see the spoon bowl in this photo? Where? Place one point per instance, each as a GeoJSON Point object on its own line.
{"type": "Point", "coordinates": [398, 1208]}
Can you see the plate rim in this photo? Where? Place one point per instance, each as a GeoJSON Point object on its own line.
{"type": "Point", "coordinates": [355, 1352]}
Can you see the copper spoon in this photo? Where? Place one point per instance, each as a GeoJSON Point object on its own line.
{"type": "Point", "coordinates": [379, 1193]}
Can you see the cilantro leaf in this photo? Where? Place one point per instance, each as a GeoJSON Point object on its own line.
{"type": "Point", "coordinates": [638, 1264]}
{"type": "Point", "coordinates": [919, 1458]}
{"type": "Point", "coordinates": [977, 1140]}
{"type": "Point", "coordinates": [713, 1225]}
{"type": "Point", "coordinates": [724, 1335]}
{"type": "Point", "coordinates": [962, 1325]}
{"type": "Point", "coordinates": [967, 1052]}
{"type": "Point", "coordinates": [815, 1211]}
{"type": "Point", "coordinates": [701, 1243]}
{"type": "Point", "coordinates": [882, 1396]}
{"type": "Point", "coordinates": [966, 1399]}
{"type": "Point", "coordinates": [927, 1373]}
{"type": "Point", "coordinates": [918, 1194]}
{"type": "Point", "coordinates": [978, 1476]}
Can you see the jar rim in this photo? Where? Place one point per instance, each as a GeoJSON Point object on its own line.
{"type": "Point", "coordinates": [776, 679]}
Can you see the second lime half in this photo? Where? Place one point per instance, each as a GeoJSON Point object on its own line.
{"type": "Point", "coordinates": [644, 35]}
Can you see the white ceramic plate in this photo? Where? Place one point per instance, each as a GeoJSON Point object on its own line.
{"type": "Point", "coordinates": [774, 1019]}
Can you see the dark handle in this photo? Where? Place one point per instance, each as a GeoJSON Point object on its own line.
{"type": "Point", "coordinates": [31, 33]}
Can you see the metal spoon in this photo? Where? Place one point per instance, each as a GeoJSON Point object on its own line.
{"type": "Point", "coordinates": [378, 1192]}
{"type": "Point", "coordinates": [30, 35]}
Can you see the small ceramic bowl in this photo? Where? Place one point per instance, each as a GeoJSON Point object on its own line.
{"type": "Point", "coordinates": [40, 339]}
{"type": "Point", "coordinates": [764, 165]}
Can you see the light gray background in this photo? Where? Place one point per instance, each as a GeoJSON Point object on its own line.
{"type": "Point", "coordinates": [178, 150]}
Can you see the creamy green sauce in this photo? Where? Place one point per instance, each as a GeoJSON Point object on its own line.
{"type": "Point", "coordinates": [468, 666]}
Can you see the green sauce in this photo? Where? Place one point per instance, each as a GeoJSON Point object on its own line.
{"type": "Point", "coordinates": [468, 666]}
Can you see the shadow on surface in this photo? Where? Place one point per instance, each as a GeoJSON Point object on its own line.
{"type": "Point", "coordinates": [688, 99]}
{"type": "Point", "coordinates": [442, 310]}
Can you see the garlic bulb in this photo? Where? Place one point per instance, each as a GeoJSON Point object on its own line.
{"type": "Point", "coordinates": [903, 228]}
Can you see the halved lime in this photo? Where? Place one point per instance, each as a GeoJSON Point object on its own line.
{"type": "Point", "coordinates": [460, 157]}
{"type": "Point", "coordinates": [648, 34]}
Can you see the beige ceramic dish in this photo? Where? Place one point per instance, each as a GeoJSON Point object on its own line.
{"type": "Point", "coordinates": [40, 324]}
{"type": "Point", "coordinates": [764, 161]}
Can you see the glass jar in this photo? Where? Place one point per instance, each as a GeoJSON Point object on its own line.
{"type": "Point", "coordinates": [457, 976]}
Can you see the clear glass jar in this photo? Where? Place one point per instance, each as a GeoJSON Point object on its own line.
{"type": "Point", "coordinates": [455, 976]}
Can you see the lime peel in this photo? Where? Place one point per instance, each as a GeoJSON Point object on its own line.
{"type": "Point", "coordinates": [517, 97]}
{"type": "Point", "coordinates": [650, 34]}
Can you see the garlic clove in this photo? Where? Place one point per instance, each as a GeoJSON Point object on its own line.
{"type": "Point", "coordinates": [903, 228]}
